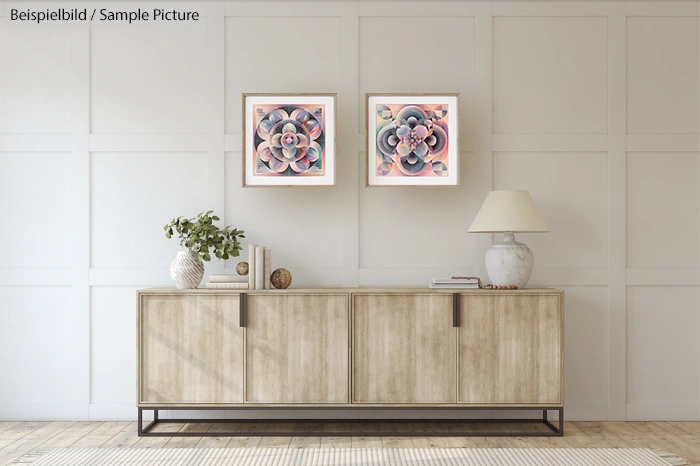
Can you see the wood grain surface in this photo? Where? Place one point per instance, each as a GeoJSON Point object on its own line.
{"type": "Point", "coordinates": [297, 349]}
{"type": "Point", "coordinates": [191, 349]}
{"type": "Point", "coordinates": [403, 349]}
{"type": "Point", "coordinates": [510, 349]}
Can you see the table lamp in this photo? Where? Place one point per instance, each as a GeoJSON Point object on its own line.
{"type": "Point", "coordinates": [509, 212]}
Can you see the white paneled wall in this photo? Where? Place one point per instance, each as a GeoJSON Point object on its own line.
{"type": "Point", "coordinates": [536, 61]}
{"type": "Point", "coordinates": [107, 133]}
{"type": "Point", "coordinates": [29, 56]}
{"type": "Point", "coordinates": [112, 350]}
{"type": "Point", "coordinates": [132, 195]}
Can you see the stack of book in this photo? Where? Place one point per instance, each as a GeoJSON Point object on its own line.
{"type": "Point", "coordinates": [228, 282]}
{"type": "Point", "coordinates": [259, 267]}
{"type": "Point", "coordinates": [454, 283]}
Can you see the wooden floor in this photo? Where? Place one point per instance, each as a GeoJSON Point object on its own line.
{"type": "Point", "coordinates": [19, 438]}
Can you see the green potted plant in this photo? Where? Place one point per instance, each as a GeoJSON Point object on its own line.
{"type": "Point", "coordinates": [200, 238]}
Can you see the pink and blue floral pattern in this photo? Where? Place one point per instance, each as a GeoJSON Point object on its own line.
{"type": "Point", "coordinates": [289, 140]}
{"type": "Point", "coordinates": [412, 140]}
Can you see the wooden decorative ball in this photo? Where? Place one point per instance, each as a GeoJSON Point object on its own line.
{"type": "Point", "coordinates": [242, 268]}
{"type": "Point", "coordinates": [281, 279]}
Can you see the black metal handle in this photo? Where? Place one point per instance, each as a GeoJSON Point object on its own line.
{"type": "Point", "coordinates": [243, 309]}
{"type": "Point", "coordinates": [456, 314]}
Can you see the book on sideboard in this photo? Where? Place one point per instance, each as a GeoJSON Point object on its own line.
{"type": "Point", "coordinates": [455, 281]}
{"type": "Point", "coordinates": [260, 268]}
{"type": "Point", "coordinates": [227, 286]}
{"type": "Point", "coordinates": [453, 286]}
{"type": "Point", "coordinates": [251, 266]}
{"type": "Point", "coordinates": [228, 278]}
{"type": "Point", "coordinates": [267, 271]}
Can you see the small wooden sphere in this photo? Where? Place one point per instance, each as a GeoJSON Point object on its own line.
{"type": "Point", "coordinates": [281, 279]}
{"type": "Point", "coordinates": [242, 268]}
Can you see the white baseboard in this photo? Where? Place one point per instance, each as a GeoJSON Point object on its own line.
{"type": "Point", "coordinates": [663, 411]}
{"type": "Point", "coordinates": [43, 412]}
{"type": "Point", "coordinates": [580, 411]}
{"type": "Point", "coordinates": [116, 412]}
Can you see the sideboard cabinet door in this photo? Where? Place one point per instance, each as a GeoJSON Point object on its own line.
{"type": "Point", "coordinates": [297, 348]}
{"type": "Point", "coordinates": [511, 349]}
{"type": "Point", "coordinates": [403, 349]}
{"type": "Point", "coordinates": [190, 349]}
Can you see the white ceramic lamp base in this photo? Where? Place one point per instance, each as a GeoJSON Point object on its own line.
{"type": "Point", "coordinates": [509, 262]}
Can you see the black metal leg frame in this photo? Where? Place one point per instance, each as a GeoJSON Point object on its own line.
{"type": "Point", "coordinates": [555, 431]}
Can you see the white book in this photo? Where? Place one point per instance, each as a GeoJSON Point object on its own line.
{"type": "Point", "coordinates": [455, 280]}
{"type": "Point", "coordinates": [227, 286]}
{"type": "Point", "coordinates": [259, 268]}
{"type": "Point", "coordinates": [456, 286]}
{"type": "Point", "coordinates": [228, 278]}
{"type": "Point", "coordinates": [268, 270]}
{"type": "Point", "coordinates": [251, 266]}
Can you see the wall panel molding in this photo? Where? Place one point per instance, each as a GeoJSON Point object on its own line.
{"type": "Point", "coordinates": [233, 142]}
{"type": "Point", "coordinates": [148, 142]}
{"type": "Point", "coordinates": [329, 276]}
{"type": "Point", "coordinates": [617, 211]}
{"type": "Point", "coordinates": [421, 276]}
{"type": "Point", "coordinates": [434, 8]}
{"type": "Point", "coordinates": [663, 276]}
{"type": "Point", "coordinates": [36, 143]}
{"type": "Point", "coordinates": [160, 276]}
{"type": "Point", "coordinates": [663, 142]}
{"type": "Point", "coordinates": [216, 114]}
{"type": "Point", "coordinates": [663, 8]}
{"type": "Point", "coordinates": [408, 276]}
{"type": "Point", "coordinates": [569, 276]}
{"type": "Point", "coordinates": [546, 8]}
{"type": "Point", "coordinates": [281, 8]}
{"type": "Point", "coordinates": [312, 276]}
{"type": "Point", "coordinates": [483, 123]}
{"type": "Point", "coordinates": [348, 173]}
{"type": "Point", "coordinates": [550, 142]}
{"type": "Point", "coordinates": [80, 71]}
{"type": "Point", "coordinates": [10, 276]}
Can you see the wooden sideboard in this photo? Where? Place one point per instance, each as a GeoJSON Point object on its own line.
{"type": "Point", "coordinates": [350, 348]}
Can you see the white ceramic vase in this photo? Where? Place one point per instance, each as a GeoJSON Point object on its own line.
{"type": "Point", "coordinates": [509, 262]}
{"type": "Point", "coordinates": [187, 270]}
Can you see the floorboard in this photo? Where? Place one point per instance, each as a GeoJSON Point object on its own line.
{"type": "Point", "coordinates": [19, 438]}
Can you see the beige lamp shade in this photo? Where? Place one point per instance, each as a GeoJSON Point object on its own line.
{"type": "Point", "coordinates": [509, 211]}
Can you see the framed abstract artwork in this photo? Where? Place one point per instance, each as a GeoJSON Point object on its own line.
{"type": "Point", "coordinates": [412, 140]}
{"type": "Point", "coordinates": [289, 139]}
